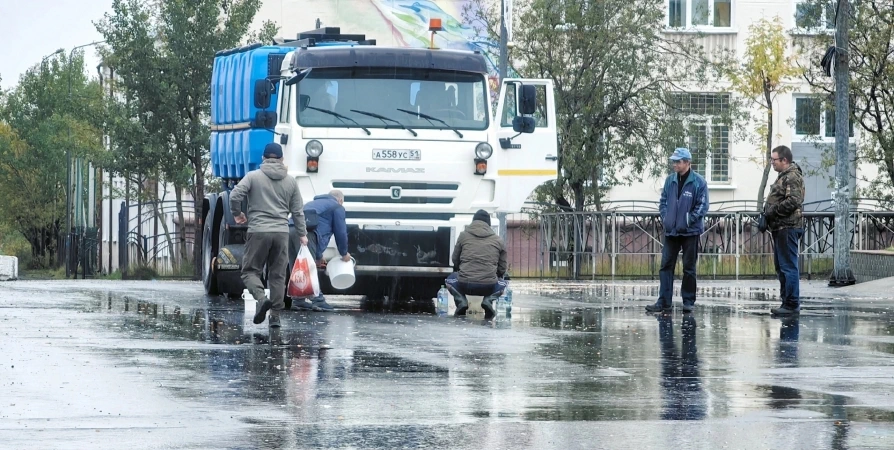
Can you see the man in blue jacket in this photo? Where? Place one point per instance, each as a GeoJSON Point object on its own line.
{"type": "Point", "coordinates": [684, 204]}
{"type": "Point", "coordinates": [326, 218]}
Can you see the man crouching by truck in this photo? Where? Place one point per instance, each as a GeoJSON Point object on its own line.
{"type": "Point", "coordinates": [325, 216]}
{"type": "Point", "coordinates": [479, 263]}
{"type": "Point", "coordinates": [272, 195]}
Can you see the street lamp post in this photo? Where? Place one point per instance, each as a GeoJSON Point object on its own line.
{"type": "Point", "coordinates": [45, 58]}
{"type": "Point", "coordinates": [504, 38]}
{"type": "Point", "coordinates": [68, 205]}
{"type": "Point", "coordinates": [40, 72]}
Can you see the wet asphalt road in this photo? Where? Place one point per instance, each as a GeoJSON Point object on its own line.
{"type": "Point", "coordinates": [93, 364]}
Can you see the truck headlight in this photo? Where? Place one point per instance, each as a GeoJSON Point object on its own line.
{"type": "Point", "coordinates": [483, 150]}
{"type": "Point", "coordinates": [314, 148]}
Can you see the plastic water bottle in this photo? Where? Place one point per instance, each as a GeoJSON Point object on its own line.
{"type": "Point", "coordinates": [504, 303]}
{"type": "Point", "coordinates": [443, 295]}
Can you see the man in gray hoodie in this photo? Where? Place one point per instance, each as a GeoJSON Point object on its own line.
{"type": "Point", "coordinates": [479, 262]}
{"type": "Point", "coordinates": [272, 195]}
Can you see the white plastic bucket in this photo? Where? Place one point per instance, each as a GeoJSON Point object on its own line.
{"type": "Point", "coordinates": [331, 250]}
{"type": "Point", "coordinates": [341, 273]}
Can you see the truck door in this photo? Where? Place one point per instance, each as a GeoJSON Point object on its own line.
{"type": "Point", "coordinates": [524, 160]}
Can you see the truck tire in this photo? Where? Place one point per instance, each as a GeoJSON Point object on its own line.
{"type": "Point", "coordinates": [223, 241]}
{"type": "Point", "coordinates": [209, 253]}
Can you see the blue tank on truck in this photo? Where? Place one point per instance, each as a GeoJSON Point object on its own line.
{"type": "Point", "coordinates": [238, 134]}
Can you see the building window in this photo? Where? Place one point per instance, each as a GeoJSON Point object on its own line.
{"type": "Point", "coordinates": [808, 115]}
{"type": "Point", "coordinates": [812, 16]}
{"type": "Point", "coordinates": [699, 13]}
{"type": "Point", "coordinates": [707, 136]}
{"type": "Point", "coordinates": [814, 114]}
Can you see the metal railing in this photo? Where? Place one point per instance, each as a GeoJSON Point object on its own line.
{"type": "Point", "coordinates": [623, 242]}
{"type": "Point", "coordinates": [151, 237]}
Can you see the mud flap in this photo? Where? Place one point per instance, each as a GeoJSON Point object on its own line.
{"type": "Point", "coordinates": [228, 267]}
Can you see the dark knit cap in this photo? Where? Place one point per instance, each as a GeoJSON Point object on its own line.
{"type": "Point", "coordinates": [482, 215]}
{"type": "Point", "coordinates": [273, 150]}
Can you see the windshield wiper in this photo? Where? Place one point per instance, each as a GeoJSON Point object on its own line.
{"type": "Point", "coordinates": [383, 119]}
{"type": "Point", "coordinates": [430, 118]}
{"type": "Point", "coordinates": [338, 116]}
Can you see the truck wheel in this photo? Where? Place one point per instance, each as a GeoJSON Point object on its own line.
{"type": "Point", "coordinates": [222, 241]}
{"type": "Point", "coordinates": [209, 255]}
{"type": "Point", "coordinates": [222, 237]}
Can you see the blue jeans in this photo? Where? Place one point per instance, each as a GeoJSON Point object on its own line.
{"type": "Point", "coordinates": [786, 243]}
{"type": "Point", "coordinates": [459, 289]}
{"type": "Point", "coordinates": [672, 247]}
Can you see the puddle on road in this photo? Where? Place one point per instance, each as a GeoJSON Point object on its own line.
{"type": "Point", "coordinates": [598, 360]}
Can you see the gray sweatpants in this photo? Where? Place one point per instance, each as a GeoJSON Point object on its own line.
{"type": "Point", "coordinates": [270, 250]}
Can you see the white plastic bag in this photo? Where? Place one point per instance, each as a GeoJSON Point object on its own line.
{"type": "Point", "coordinates": [304, 282]}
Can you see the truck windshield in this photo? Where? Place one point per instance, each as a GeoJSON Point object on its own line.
{"type": "Point", "coordinates": [457, 99]}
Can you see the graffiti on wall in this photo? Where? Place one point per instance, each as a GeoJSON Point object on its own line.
{"type": "Point", "coordinates": [409, 21]}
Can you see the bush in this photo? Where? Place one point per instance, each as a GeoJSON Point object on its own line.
{"type": "Point", "coordinates": [13, 244]}
{"type": "Point", "coordinates": [140, 273]}
{"type": "Point", "coordinates": [116, 275]}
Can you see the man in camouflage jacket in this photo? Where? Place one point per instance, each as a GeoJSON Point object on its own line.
{"type": "Point", "coordinates": [785, 221]}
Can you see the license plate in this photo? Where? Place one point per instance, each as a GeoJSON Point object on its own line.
{"type": "Point", "coordinates": [397, 155]}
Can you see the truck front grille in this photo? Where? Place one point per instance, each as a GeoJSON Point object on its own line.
{"type": "Point", "coordinates": [381, 192]}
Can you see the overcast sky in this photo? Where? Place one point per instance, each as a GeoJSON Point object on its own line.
{"type": "Point", "coordinates": [31, 30]}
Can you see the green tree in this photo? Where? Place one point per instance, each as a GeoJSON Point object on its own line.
{"type": "Point", "coordinates": [163, 53]}
{"type": "Point", "coordinates": [766, 68]}
{"type": "Point", "coordinates": [871, 54]}
{"type": "Point", "coordinates": [616, 72]}
{"type": "Point", "coordinates": [39, 125]}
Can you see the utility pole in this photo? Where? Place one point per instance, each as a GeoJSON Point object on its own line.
{"type": "Point", "coordinates": [504, 63]}
{"type": "Point", "coordinates": [504, 38]}
{"type": "Point", "coordinates": [842, 275]}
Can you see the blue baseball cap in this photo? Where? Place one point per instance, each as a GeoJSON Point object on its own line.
{"type": "Point", "coordinates": [273, 150]}
{"type": "Point", "coordinates": [681, 153]}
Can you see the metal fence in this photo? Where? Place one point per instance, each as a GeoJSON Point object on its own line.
{"type": "Point", "coordinates": [82, 252]}
{"type": "Point", "coordinates": [622, 241]}
{"type": "Point", "coordinates": [626, 240]}
{"type": "Point", "coordinates": [157, 237]}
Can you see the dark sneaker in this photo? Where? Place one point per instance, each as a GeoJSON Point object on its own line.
{"type": "Point", "coordinates": [688, 308]}
{"type": "Point", "coordinates": [261, 312]}
{"type": "Point", "coordinates": [658, 307]}
{"type": "Point", "coordinates": [785, 310]}
{"type": "Point", "coordinates": [274, 321]}
{"type": "Point", "coordinates": [302, 304]}
{"type": "Point", "coordinates": [489, 312]}
{"type": "Point", "coordinates": [460, 312]}
{"type": "Point", "coordinates": [321, 305]}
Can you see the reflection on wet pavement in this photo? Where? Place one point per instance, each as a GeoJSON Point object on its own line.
{"type": "Point", "coordinates": [357, 378]}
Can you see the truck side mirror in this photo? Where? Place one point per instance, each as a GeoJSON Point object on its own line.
{"type": "Point", "coordinates": [298, 77]}
{"type": "Point", "coordinates": [303, 102]}
{"type": "Point", "coordinates": [264, 90]}
{"type": "Point", "coordinates": [527, 99]}
{"type": "Point", "coordinates": [523, 124]}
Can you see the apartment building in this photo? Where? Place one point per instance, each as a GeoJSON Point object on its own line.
{"type": "Point", "coordinates": [802, 120]}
